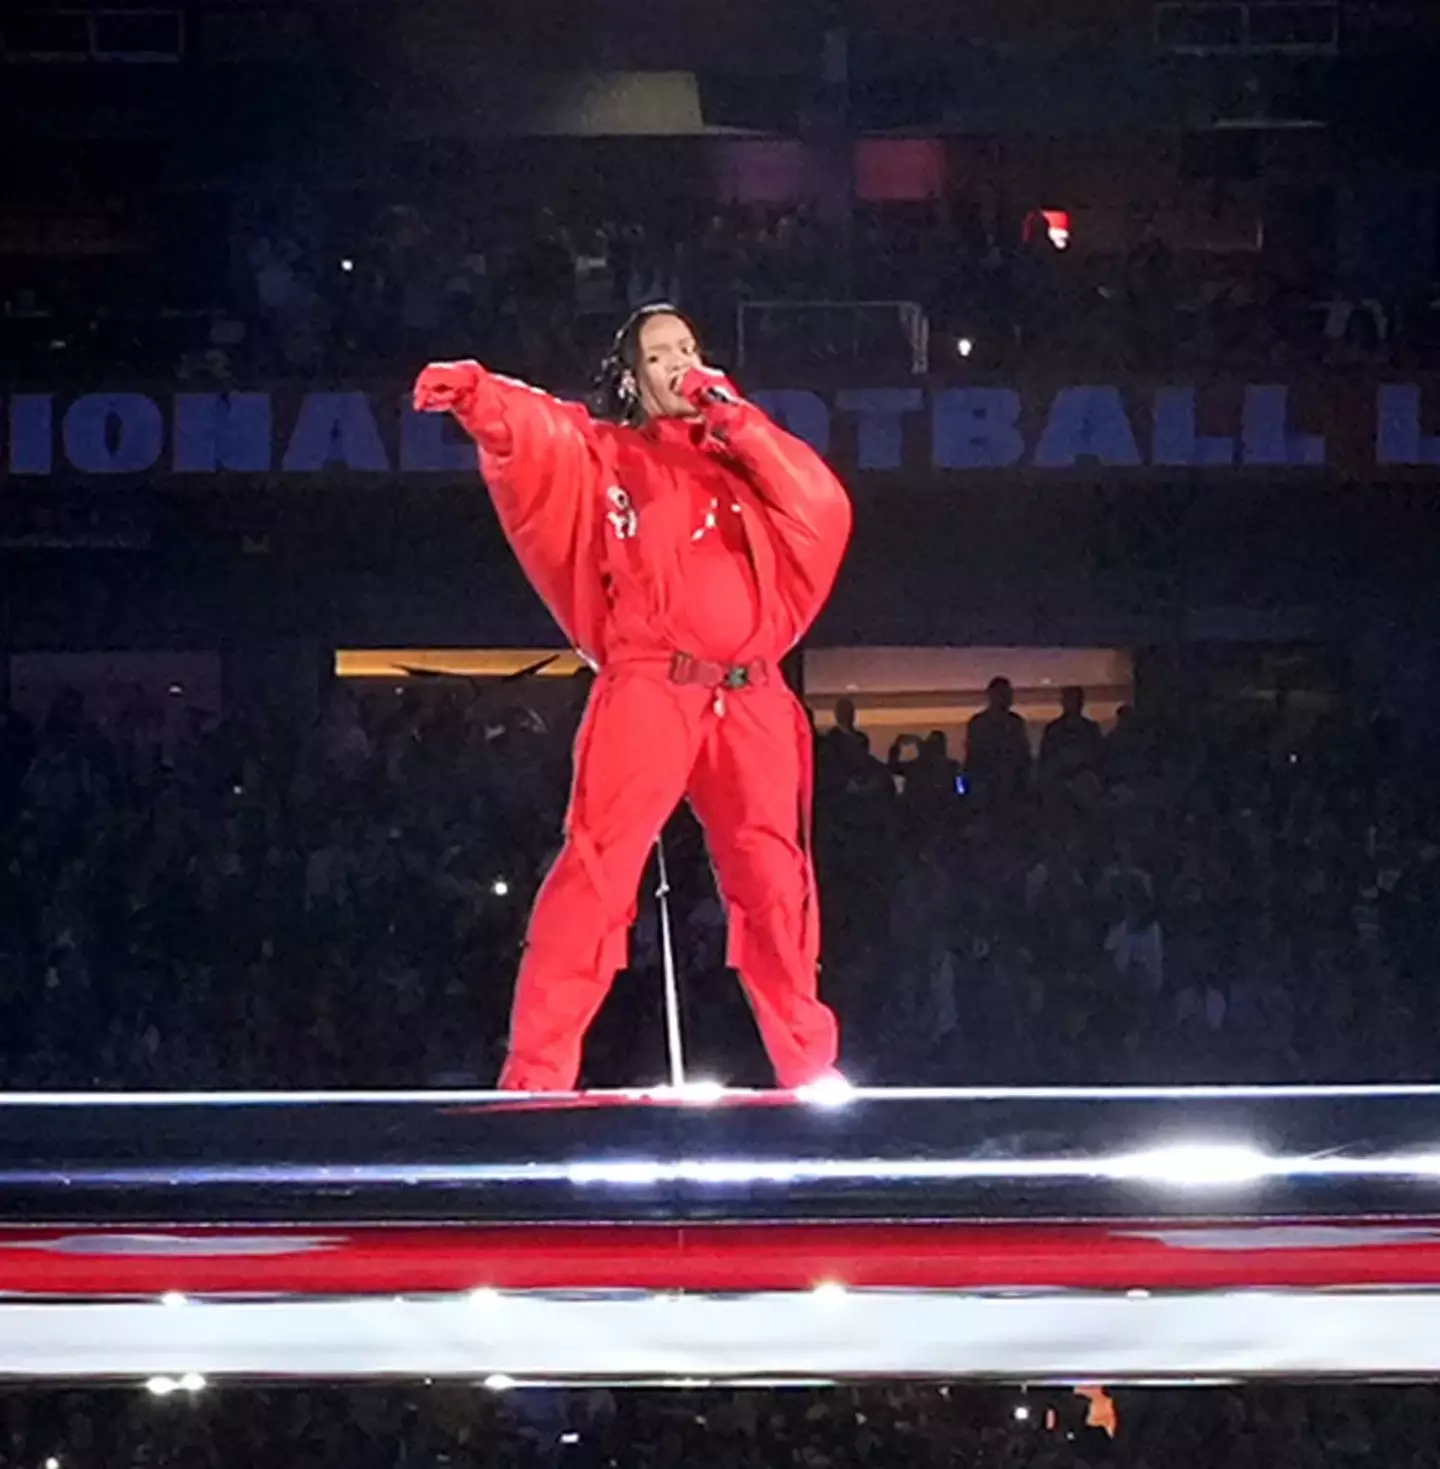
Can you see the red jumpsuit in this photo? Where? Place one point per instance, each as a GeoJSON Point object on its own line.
{"type": "Point", "coordinates": [684, 560]}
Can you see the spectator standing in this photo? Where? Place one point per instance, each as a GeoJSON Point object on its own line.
{"type": "Point", "coordinates": [845, 729]}
{"type": "Point", "coordinates": [1072, 743]}
{"type": "Point", "coordinates": [997, 748]}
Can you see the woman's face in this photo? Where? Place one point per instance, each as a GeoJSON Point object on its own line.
{"type": "Point", "coordinates": [667, 351]}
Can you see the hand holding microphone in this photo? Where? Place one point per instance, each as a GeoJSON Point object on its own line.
{"type": "Point", "coordinates": [709, 390]}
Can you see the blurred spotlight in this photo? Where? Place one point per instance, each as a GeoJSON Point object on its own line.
{"type": "Point", "coordinates": [699, 1093]}
{"type": "Point", "coordinates": [347, 265]}
{"type": "Point", "coordinates": [164, 1387]}
{"type": "Point", "coordinates": [500, 888]}
{"type": "Point", "coordinates": [499, 1382]}
{"type": "Point", "coordinates": [1197, 1165]}
{"type": "Point", "coordinates": [1022, 1415]}
{"type": "Point", "coordinates": [829, 1091]}
{"type": "Point", "coordinates": [174, 1297]}
{"type": "Point", "coordinates": [52, 1462]}
{"type": "Point", "coordinates": [965, 346]}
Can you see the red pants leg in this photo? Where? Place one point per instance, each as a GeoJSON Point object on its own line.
{"type": "Point", "coordinates": [746, 790]}
{"type": "Point", "coordinates": [633, 757]}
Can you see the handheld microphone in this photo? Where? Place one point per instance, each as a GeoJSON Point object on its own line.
{"type": "Point", "coordinates": [710, 392]}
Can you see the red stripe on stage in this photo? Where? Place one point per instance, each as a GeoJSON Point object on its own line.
{"type": "Point", "coordinates": [84, 1262]}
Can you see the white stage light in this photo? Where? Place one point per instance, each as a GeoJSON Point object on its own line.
{"type": "Point", "coordinates": [618, 1173]}
{"type": "Point", "coordinates": [1197, 1165]}
{"type": "Point", "coordinates": [701, 1093]}
{"type": "Point", "coordinates": [831, 1091]}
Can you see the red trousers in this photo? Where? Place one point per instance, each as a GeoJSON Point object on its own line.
{"type": "Point", "coordinates": [647, 743]}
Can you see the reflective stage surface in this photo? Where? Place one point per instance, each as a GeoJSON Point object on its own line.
{"type": "Point", "coordinates": [1056, 1234]}
{"type": "Point", "coordinates": [893, 1154]}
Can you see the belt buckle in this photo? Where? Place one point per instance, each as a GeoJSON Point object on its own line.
{"type": "Point", "coordinates": [737, 678]}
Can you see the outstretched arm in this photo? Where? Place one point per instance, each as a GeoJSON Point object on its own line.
{"type": "Point", "coordinates": [544, 467]}
{"type": "Point", "coordinates": [808, 508]}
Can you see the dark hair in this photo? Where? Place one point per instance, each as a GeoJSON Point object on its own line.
{"type": "Point", "coordinates": [615, 397]}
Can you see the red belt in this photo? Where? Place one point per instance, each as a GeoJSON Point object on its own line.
{"type": "Point", "coordinates": [687, 670]}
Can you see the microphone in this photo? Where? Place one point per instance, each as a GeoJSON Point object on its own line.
{"type": "Point", "coordinates": [711, 392]}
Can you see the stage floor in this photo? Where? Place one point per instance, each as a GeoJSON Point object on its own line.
{"type": "Point", "coordinates": [897, 1154]}
{"type": "Point", "coordinates": [1057, 1234]}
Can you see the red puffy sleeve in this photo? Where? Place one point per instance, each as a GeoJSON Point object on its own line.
{"type": "Point", "coordinates": [545, 467]}
{"type": "Point", "coordinates": [806, 508]}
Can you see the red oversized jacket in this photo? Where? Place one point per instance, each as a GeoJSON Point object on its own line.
{"type": "Point", "coordinates": [599, 515]}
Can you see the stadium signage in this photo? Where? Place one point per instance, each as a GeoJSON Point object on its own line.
{"type": "Point", "coordinates": [937, 429]}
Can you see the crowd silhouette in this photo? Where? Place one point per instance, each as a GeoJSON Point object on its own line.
{"type": "Point", "coordinates": [262, 899]}
{"type": "Point", "coordinates": [462, 1425]}
{"type": "Point", "coordinates": [314, 289]}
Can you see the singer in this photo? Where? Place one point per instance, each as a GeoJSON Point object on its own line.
{"type": "Point", "coordinates": [684, 543]}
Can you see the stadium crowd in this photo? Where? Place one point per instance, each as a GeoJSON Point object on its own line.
{"type": "Point", "coordinates": [310, 292]}
{"type": "Point", "coordinates": [378, 1427]}
{"type": "Point", "coordinates": [258, 901]}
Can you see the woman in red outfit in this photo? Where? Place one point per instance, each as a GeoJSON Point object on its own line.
{"type": "Point", "coordinates": [684, 549]}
